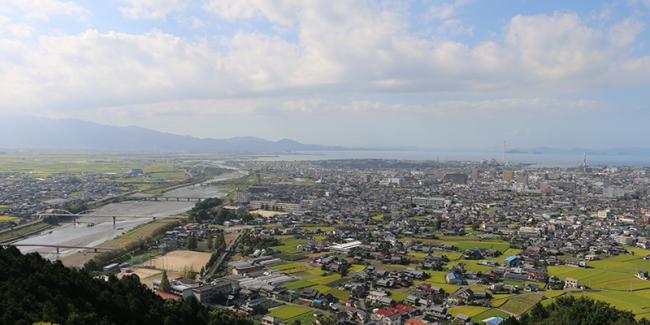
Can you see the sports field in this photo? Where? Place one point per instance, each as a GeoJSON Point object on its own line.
{"type": "Point", "coordinates": [179, 261]}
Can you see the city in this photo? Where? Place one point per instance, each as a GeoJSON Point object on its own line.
{"type": "Point", "coordinates": [359, 241]}
{"type": "Point", "coordinates": [324, 162]}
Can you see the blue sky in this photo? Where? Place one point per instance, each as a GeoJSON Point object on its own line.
{"type": "Point", "coordinates": [440, 74]}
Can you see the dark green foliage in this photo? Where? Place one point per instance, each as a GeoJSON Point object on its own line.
{"type": "Point", "coordinates": [211, 209]}
{"type": "Point", "coordinates": [164, 286]}
{"type": "Point", "coordinates": [201, 211]}
{"type": "Point", "coordinates": [222, 215]}
{"type": "Point", "coordinates": [575, 311]}
{"type": "Point", "coordinates": [250, 243]}
{"type": "Point", "coordinates": [192, 243]}
{"type": "Point", "coordinates": [33, 289]}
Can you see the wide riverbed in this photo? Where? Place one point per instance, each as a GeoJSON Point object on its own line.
{"type": "Point", "coordinates": [81, 235]}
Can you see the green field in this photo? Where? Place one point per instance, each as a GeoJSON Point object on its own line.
{"type": "Point", "coordinates": [298, 284]}
{"type": "Point", "coordinates": [288, 311]}
{"type": "Point", "coordinates": [489, 313]}
{"type": "Point", "coordinates": [637, 302]}
{"type": "Point", "coordinates": [6, 236]}
{"type": "Point", "coordinates": [8, 218]}
{"type": "Point", "coordinates": [289, 246]}
{"type": "Point", "coordinates": [305, 319]}
{"type": "Point", "coordinates": [519, 304]}
{"type": "Point", "coordinates": [322, 228]}
{"type": "Point", "coordinates": [399, 294]}
{"type": "Point", "coordinates": [139, 233]}
{"type": "Point", "coordinates": [291, 267]}
{"type": "Point", "coordinates": [470, 311]}
{"type": "Point", "coordinates": [467, 242]}
{"type": "Point", "coordinates": [600, 278]}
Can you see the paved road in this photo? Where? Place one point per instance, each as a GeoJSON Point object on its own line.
{"type": "Point", "coordinates": [225, 255]}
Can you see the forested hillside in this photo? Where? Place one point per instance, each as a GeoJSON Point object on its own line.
{"type": "Point", "coordinates": [33, 289]}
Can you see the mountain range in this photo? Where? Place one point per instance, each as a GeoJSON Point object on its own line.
{"type": "Point", "coordinates": [38, 133]}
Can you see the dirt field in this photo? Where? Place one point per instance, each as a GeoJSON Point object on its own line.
{"type": "Point", "coordinates": [179, 261]}
{"type": "Point", "coordinates": [148, 275]}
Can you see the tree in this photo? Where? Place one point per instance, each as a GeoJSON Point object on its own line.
{"type": "Point", "coordinates": [36, 290]}
{"type": "Point", "coordinates": [210, 243]}
{"type": "Point", "coordinates": [164, 286]}
{"type": "Point", "coordinates": [191, 242]}
{"type": "Point", "coordinates": [91, 266]}
{"type": "Point", "coordinates": [579, 311]}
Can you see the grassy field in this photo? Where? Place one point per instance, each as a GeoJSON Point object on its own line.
{"type": "Point", "coordinates": [289, 311]}
{"type": "Point", "coordinates": [600, 278]}
{"type": "Point", "coordinates": [470, 311]}
{"type": "Point", "coordinates": [298, 284]}
{"type": "Point", "coordinates": [489, 313]}
{"type": "Point", "coordinates": [637, 302]}
{"type": "Point", "coordinates": [322, 228]}
{"type": "Point", "coordinates": [6, 236]}
{"type": "Point", "coordinates": [43, 165]}
{"type": "Point", "coordinates": [291, 267]}
{"type": "Point", "coordinates": [519, 304]}
{"type": "Point", "coordinates": [8, 218]}
{"type": "Point", "coordinates": [289, 246]}
{"type": "Point", "coordinates": [304, 319]}
{"type": "Point", "coordinates": [399, 294]}
{"type": "Point", "coordinates": [139, 233]}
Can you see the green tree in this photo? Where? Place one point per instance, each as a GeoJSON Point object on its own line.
{"type": "Point", "coordinates": [191, 242]}
{"type": "Point", "coordinates": [164, 286]}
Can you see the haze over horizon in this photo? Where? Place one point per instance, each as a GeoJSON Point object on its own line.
{"type": "Point", "coordinates": [433, 74]}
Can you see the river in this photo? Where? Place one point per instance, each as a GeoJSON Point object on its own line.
{"type": "Point", "coordinates": [81, 234]}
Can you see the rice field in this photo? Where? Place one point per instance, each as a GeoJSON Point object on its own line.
{"type": "Point", "coordinates": [288, 311]}
{"type": "Point", "coordinates": [600, 278]}
{"type": "Point", "coordinates": [519, 304]}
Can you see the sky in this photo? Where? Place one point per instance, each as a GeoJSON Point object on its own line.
{"type": "Point", "coordinates": [428, 73]}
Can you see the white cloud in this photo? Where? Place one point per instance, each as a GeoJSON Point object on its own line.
{"type": "Point", "coordinates": [455, 27]}
{"type": "Point", "coordinates": [17, 30]}
{"type": "Point", "coordinates": [43, 9]}
{"type": "Point", "coordinates": [277, 11]}
{"type": "Point", "coordinates": [625, 32]}
{"type": "Point", "coordinates": [445, 10]}
{"type": "Point", "coordinates": [557, 46]}
{"type": "Point", "coordinates": [341, 48]}
{"type": "Point", "coordinates": [151, 9]}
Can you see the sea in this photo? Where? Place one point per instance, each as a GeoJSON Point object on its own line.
{"type": "Point", "coordinates": [563, 160]}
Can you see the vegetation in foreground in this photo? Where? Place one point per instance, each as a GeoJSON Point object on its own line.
{"type": "Point", "coordinates": [33, 289]}
{"type": "Point", "coordinates": [576, 311]}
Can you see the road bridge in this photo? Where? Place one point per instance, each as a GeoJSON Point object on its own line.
{"type": "Point", "coordinates": [58, 247]}
{"type": "Point", "coordinates": [97, 216]}
{"type": "Point", "coordinates": [165, 198]}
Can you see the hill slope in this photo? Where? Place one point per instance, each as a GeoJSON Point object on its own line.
{"type": "Point", "coordinates": [33, 289]}
{"type": "Point", "coordinates": [25, 133]}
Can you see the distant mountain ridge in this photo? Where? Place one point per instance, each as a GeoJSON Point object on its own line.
{"type": "Point", "coordinates": [37, 133]}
